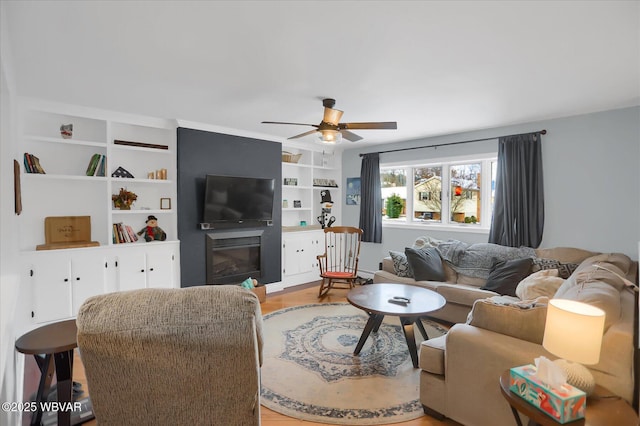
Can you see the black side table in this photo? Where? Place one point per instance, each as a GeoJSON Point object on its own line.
{"type": "Point", "coordinates": [57, 341]}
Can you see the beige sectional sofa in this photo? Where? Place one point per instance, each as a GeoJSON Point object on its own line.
{"type": "Point", "coordinates": [460, 370]}
{"type": "Point", "coordinates": [461, 290]}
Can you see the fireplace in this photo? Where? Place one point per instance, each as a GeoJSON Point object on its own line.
{"type": "Point", "coordinates": [234, 256]}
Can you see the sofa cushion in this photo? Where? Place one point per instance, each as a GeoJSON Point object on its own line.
{"type": "Point", "coordinates": [432, 355]}
{"type": "Point", "coordinates": [476, 260]}
{"type": "Point", "coordinates": [505, 275]}
{"type": "Point", "coordinates": [598, 287]}
{"type": "Point", "coordinates": [462, 294]}
{"type": "Point", "coordinates": [564, 269]}
{"type": "Point", "coordinates": [564, 254]}
{"type": "Point", "coordinates": [541, 283]}
{"type": "Point", "coordinates": [401, 264]}
{"type": "Point", "coordinates": [425, 264]}
{"type": "Point", "coordinates": [524, 320]}
{"type": "Point", "coordinates": [472, 281]}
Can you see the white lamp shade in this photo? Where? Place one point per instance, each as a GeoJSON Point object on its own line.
{"type": "Point", "coordinates": [574, 331]}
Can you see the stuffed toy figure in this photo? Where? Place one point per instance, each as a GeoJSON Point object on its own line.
{"type": "Point", "coordinates": [152, 231]}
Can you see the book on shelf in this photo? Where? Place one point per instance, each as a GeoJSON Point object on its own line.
{"type": "Point", "coordinates": [97, 165]}
{"type": "Point", "coordinates": [32, 164]}
{"type": "Point", "coordinates": [123, 234]}
{"type": "Point", "coordinates": [102, 166]}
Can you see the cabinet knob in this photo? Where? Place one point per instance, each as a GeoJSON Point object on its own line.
{"type": "Point", "coordinates": [141, 270]}
{"type": "Point", "coordinates": [66, 280]}
{"type": "Point", "coordinates": [150, 269]}
{"type": "Point", "coordinates": [77, 278]}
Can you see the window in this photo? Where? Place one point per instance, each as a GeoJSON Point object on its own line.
{"type": "Point", "coordinates": [394, 192]}
{"type": "Point", "coordinates": [452, 193]}
{"type": "Point", "coordinates": [465, 202]}
{"type": "Point", "coordinates": [427, 180]}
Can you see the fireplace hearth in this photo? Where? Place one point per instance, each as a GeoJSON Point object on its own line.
{"type": "Point", "coordinates": [233, 256]}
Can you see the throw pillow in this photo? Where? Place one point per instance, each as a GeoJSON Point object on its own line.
{"type": "Point", "coordinates": [564, 269]}
{"type": "Point", "coordinates": [400, 264]}
{"type": "Point", "coordinates": [505, 275]}
{"type": "Point", "coordinates": [598, 287]}
{"type": "Point", "coordinates": [517, 319]}
{"type": "Point", "coordinates": [425, 264]}
{"type": "Point", "coordinates": [541, 283]}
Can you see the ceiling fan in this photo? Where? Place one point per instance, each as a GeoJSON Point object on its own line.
{"type": "Point", "coordinates": [331, 130]}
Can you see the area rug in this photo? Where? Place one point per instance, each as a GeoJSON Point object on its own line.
{"type": "Point", "coordinates": [309, 371]}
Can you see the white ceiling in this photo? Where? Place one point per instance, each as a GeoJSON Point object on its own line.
{"type": "Point", "coordinates": [434, 67]}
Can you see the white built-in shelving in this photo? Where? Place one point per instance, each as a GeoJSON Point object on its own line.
{"type": "Point", "coordinates": [66, 190]}
{"type": "Point", "coordinates": [313, 164]}
{"type": "Point", "coordinates": [60, 280]}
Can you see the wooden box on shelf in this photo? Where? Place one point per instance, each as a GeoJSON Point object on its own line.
{"type": "Point", "coordinates": [67, 232]}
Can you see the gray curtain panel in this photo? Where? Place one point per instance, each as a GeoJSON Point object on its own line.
{"type": "Point", "coordinates": [518, 210]}
{"type": "Point", "coordinates": [371, 199]}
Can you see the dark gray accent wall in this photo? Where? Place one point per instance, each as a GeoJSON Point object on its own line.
{"type": "Point", "coordinates": [201, 153]}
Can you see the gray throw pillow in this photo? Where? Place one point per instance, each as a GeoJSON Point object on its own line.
{"type": "Point", "coordinates": [506, 275]}
{"type": "Point", "coordinates": [425, 263]}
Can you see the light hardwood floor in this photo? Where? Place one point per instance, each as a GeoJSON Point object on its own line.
{"type": "Point", "coordinates": [300, 295]}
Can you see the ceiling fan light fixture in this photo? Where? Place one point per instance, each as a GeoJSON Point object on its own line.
{"type": "Point", "coordinates": [332, 116]}
{"type": "Point", "coordinates": [330, 137]}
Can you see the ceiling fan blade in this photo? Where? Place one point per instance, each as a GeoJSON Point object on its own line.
{"type": "Point", "coordinates": [332, 116]}
{"type": "Point", "coordinates": [350, 136]}
{"type": "Point", "coordinates": [371, 125]}
{"type": "Point", "coordinates": [310, 132]}
{"type": "Point", "coordinates": [283, 122]}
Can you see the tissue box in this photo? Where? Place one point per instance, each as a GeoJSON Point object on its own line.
{"type": "Point", "coordinates": [564, 405]}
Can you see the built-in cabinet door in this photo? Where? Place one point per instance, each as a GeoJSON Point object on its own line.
{"type": "Point", "coordinates": [132, 269]}
{"type": "Point", "coordinates": [88, 274]}
{"type": "Point", "coordinates": [147, 265]}
{"type": "Point", "coordinates": [160, 263]}
{"type": "Point", "coordinates": [291, 255]}
{"type": "Point", "coordinates": [62, 281]}
{"type": "Point", "coordinates": [50, 286]}
{"type": "Point", "coordinates": [300, 251]}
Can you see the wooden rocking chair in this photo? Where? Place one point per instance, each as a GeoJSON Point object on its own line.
{"type": "Point", "coordinates": [339, 263]}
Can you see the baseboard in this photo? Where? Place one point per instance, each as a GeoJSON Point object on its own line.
{"type": "Point", "coordinates": [432, 413]}
{"type": "Point", "coordinates": [365, 274]}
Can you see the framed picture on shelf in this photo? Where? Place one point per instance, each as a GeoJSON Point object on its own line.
{"type": "Point", "coordinates": [291, 181]}
{"type": "Point", "coordinates": [165, 203]}
{"type": "Point", "coordinates": [297, 204]}
{"type": "Point", "coordinates": [325, 182]}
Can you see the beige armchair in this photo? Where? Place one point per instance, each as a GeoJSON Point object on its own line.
{"type": "Point", "coordinates": [173, 356]}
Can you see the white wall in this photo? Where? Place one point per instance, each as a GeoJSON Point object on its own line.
{"type": "Point", "coordinates": [591, 182]}
{"type": "Point", "coordinates": [11, 363]}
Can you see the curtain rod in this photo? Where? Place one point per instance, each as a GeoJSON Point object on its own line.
{"type": "Point", "coordinates": [542, 132]}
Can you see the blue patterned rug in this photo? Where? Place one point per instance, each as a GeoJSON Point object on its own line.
{"type": "Point", "coordinates": [310, 373]}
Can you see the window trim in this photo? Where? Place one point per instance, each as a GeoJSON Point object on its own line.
{"type": "Point", "coordinates": [409, 222]}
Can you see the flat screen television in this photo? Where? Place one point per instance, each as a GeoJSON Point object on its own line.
{"type": "Point", "coordinates": [237, 199]}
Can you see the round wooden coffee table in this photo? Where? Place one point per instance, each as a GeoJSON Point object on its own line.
{"type": "Point", "coordinates": [379, 300]}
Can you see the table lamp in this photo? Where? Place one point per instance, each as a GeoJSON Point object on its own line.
{"type": "Point", "coordinates": [573, 331]}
